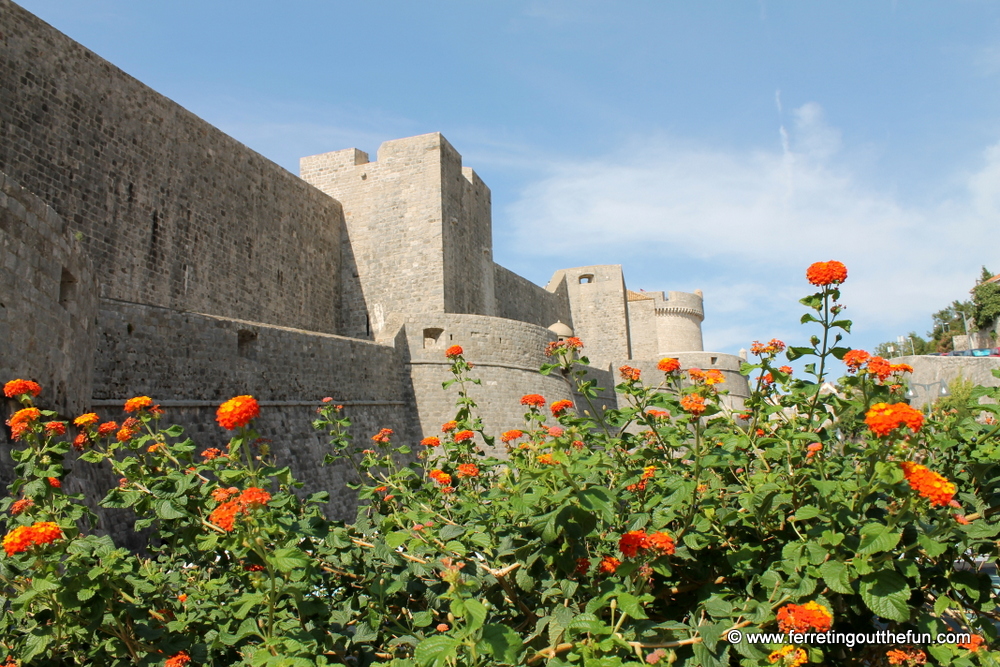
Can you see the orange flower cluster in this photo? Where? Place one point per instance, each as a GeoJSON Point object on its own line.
{"type": "Point", "coordinates": [21, 421]}
{"type": "Point", "coordinates": [129, 430]}
{"type": "Point", "coordinates": [634, 541]}
{"type": "Point", "coordinates": [882, 369]}
{"type": "Point", "coordinates": [447, 427]}
{"type": "Point", "coordinates": [383, 436]}
{"type": "Point", "coordinates": [440, 476]}
{"type": "Point", "coordinates": [19, 387]}
{"type": "Point", "coordinates": [826, 273]}
{"type": "Point", "coordinates": [533, 400]}
{"type": "Point", "coordinates": [630, 374]}
{"type": "Point", "coordinates": [803, 617]}
{"type": "Point", "coordinates": [908, 657]}
{"type": "Point", "coordinates": [54, 482]}
{"type": "Point", "coordinates": [571, 343]}
{"type": "Point", "coordinates": [560, 407]}
{"type": "Point", "coordinates": [774, 346]}
{"type": "Point", "coordinates": [608, 565]}
{"type": "Point", "coordinates": [647, 473]}
{"type": "Point", "coordinates": [138, 403]}
{"type": "Point", "coordinates": [107, 428]}
{"type": "Point", "coordinates": [693, 403]}
{"type": "Point", "coordinates": [211, 453]}
{"type": "Point", "coordinates": [55, 428]}
{"type": "Point", "coordinates": [462, 436]}
{"type": "Point", "coordinates": [855, 359]}
{"type": "Point", "coordinates": [178, 660]}
{"type": "Point", "coordinates": [928, 483]}
{"type": "Point", "coordinates": [21, 505]}
{"type": "Point", "coordinates": [974, 644]}
{"type": "Point", "coordinates": [709, 377]}
{"type": "Point", "coordinates": [511, 435]}
{"type": "Point", "coordinates": [454, 352]}
{"type": "Point", "coordinates": [547, 459]}
{"type": "Point", "coordinates": [432, 441]}
{"type": "Point", "coordinates": [813, 449]}
{"type": "Point", "coordinates": [237, 412]}
{"type": "Point", "coordinates": [669, 365]}
{"type": "Point", "coordinates": [89, 419]}
{"type": "Point", "coordinates": [883, 418]}
{"type": "Point", "coordinates": [224, 516]}
{"type": "Point", "coordinates": [789, 656]}
{"type": "Point", "coordinates": [468, 470]}
{"type": "Point", "coordinates": [23, 538]}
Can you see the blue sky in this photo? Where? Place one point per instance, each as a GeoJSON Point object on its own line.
{"type": "Point", "coordinates": [715, 145]}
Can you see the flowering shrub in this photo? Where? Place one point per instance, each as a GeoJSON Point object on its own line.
{"type": "Point", "coordinates": [646, 534]}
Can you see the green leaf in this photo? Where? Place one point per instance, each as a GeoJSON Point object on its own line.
{"type": "Point", "coordinates": [450, 532]}
{"type": "Point", "coordinates": [287, 560]}
{"type": "Point", "coordinates": [435, 650]}
{"type": "Point", "coordinates": [475, 613]}
{"type": "Point", "coordinates": [397, 538]}
{"type": "Point", "coordinates": [630, 604]}
{"type": "Point", "coordinates": [168, 510]}
{"type": "Point", "coordinates": [422, 619]}
{"type": "Point", "coordinates": [501, 642]}
{"type": "Point", "coordinates": [934, 548]}
{"type": "Point", "coordinates": [877, 537]}
{"type": "Point", "coordinates": [836, 576]}
{"type": "Point", "coordinates": [806, 512]}
{"type": "Point", "coordinates": [886, 593]}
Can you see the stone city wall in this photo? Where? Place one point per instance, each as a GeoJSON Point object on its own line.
{"type": "Point", "coordinates": [932, 374]}
{"type": "Point", "coordinates": [191, 363]}
{"type": "Point", "coordinates": [173, 212]}
{"type": "Point", "coordinates": [600, 316]}
{"type": "Point", "coordinates": [520, 299]}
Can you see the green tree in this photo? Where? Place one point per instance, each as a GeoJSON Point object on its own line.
{"type": "Point", "coordinates": [986, 301]}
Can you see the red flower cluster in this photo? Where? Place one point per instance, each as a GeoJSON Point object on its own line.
{"type": "Point", "coordinates": [669, 365]}
{"type": "Point", "coordinates": [21, 421]}
{"type": "Point", "coordinates": [571, 343]}
{"type": "Point", "coordinates": [533, 400]}
{"type": "Point", "coordinates": [608, 565]}
{"type": "Point", "coordinates": [55, 428]}
{"type": "Point", "coordinates": [454, 351]}
{"type": "Point", "coordinates": [211, 454]}
{"type": "Point", "coordinates": [237, 412]}
{"type": "Point", "coordinates": [224, 516]}
{"type": "Point", "coordinates": [21, 505]}
{"type": "Point", "coordinates": [634, 541]}
{"type": "Point", "coordinates": [468, 470]}
{"type": "Point", "coordinates": [974, 644]}
{"type": "Point", "coordinates": [693, 403]}
{"type": "Point", "coordinates": [23, 538]}
{"type": "Point", "coordinates": [462, 436]}
{"type": "Point", "coordinates": [826, 273]}
{"type": "Point", "coordinates": [928, 483]}
{"type": "Point", "coordinates": [560, 407]}
{"type": "Point", "coordinates": [178, 660]}
{"type": "Point", "coordinates": [138, 403]}
{"type": "Point", "coordinates": [630, 374]}
{"type": "Point", "coordinates": [882, 369]}
{"type": "Point", "coordinates": [432, 441]}
{"type": "Point", "coordinates": [447, 427]}
{"type": "Point", "coordinates": [54, 482]}
{"type": "Point", "coordinates": [802, 618]}
{"type": "Point", "coordinates": [883, 418]}
{"type": "Point", "coordinates": [19, 387]}
{"type": "Point", "coordinates": [908, 657]}
{"type": "Point", "coordinates": [511, 435]}
{"type": "Point", "coordinates": [773, 346]}
{"type": "Point", "coordinates": [107, 428]}
{"type": "Point", "coordinates": [647, 473]}
{"type": "Point", "coordinates": [383, 436]}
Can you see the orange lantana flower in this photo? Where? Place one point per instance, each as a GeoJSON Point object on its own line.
{"type": "Point", "coordinates": [826, 273]}
{"type": "Point", "coordinates": [138, 403]}
{"type": "Point", "coordinates": [454, 351]}
{"type": "Point", "coordinates": [533, 400]}
{"type": "Point", "coordinates": [884, 418]}
{"type": "Point", "coordinates": [802, 618]}
{"type": "Point", "coordinates": [693, 403]}
{"type": "Point", "coordinates": [468, 470]}
{"type": "Point", "coordinates": [669, 365]}
{"type": "Point", "coordinates": [629, 374]}
{"type": "Point", "coordinates": [18, 387]}
{"type": "Point", "coordinates": [560, 407]}
{"type": "Point", "coordinates": [432, 441]}
{"type": "Point", "coordinates": [928, 483]}
{"type": "Point", "coordinates": [237, 412]}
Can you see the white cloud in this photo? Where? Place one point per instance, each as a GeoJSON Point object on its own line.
{"type": "Point", "coordinates": [747, 221]}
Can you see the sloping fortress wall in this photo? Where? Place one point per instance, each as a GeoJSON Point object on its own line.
{"type": "Point", "coordinates": [145, 248]}
{"type": "Point", "coordinates": [173, 212]}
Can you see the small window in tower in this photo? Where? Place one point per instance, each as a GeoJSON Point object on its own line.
{"type": "Point", "coordinates": [586, 278]}
{"type": "Point", "coordinates": [714, 360]}
{"type": "Point", "coordinates": [246, 343]}
{"type": "Point", "coordinates": [67, 288]}
{"type": "Point", "coordinates": [432, 336]}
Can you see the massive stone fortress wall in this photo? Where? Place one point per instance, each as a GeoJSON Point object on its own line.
{"type": "Point", "coordinates": [173, 212]}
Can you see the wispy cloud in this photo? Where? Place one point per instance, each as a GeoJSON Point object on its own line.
{"type": "Point", "coordinates": [753, 220]}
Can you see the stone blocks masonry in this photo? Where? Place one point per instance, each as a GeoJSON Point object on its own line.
{"type": "Point", "coordinates": [143, 251]}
